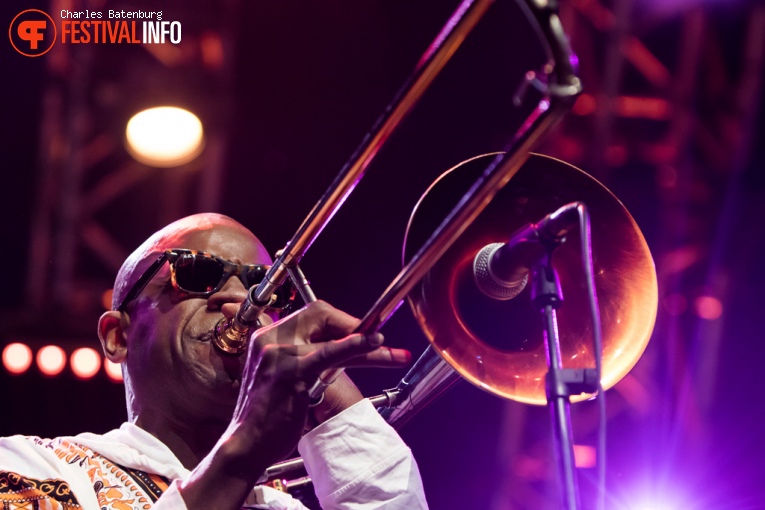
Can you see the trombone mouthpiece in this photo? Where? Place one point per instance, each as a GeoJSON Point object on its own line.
{"type": "Point", "coordinates": [229, 338]}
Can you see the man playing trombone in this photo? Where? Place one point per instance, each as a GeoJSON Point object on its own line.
{"type": "Point", "coordinates": [203, 425]}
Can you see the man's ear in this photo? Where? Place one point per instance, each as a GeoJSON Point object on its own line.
{"type": "Point", "coordinates": [112, 336]}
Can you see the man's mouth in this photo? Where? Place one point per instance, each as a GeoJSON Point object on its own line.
{"type": "Point", "coordinates": [207, 336]}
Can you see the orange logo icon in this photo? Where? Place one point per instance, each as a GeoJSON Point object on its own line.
{"type": "Point", "coordinates": [32, 33]}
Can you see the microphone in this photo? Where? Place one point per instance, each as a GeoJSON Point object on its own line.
{"type": "Point", "coordinates": [501, 270]}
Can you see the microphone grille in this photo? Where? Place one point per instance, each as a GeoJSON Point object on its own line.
{"type": "Point", "coordinates": [487, 282]}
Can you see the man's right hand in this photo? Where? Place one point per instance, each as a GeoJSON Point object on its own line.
{"type": "Point", "coordinates": [284, 360]}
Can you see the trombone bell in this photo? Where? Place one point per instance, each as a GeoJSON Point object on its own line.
{"type": "Point", "coordinates": [498, 345]}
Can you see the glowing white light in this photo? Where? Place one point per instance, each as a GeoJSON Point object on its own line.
{"type": "Point", "coordinates": [165, 136]}
{"type": "Point", "coordinates": [85, 362]}
{"type": "Point", "coordinates": [51, 360]}
{"type": "Point", "coordinates": [17, 358]}
{"type": "Point", "coordinates": [658, 496]}
{"type": "Point", "coordinates": [113, 370]}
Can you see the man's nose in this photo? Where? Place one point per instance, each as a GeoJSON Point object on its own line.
{"type": "Point", "coordinates": [228, 298]}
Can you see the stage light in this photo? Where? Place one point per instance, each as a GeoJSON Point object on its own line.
{"type": "Point", "coordinates": [585, 456]}
{"type": "Point", "coordinates": [654, 505]}
{"type": "Point", "coordinates": [106, 299]}
{"type": "Point", "coordinates": [164, 136]}
{"type": "Point", "coordinates": [658, 494]}
{"type": "Point", "coordinates": [51, 360]}
{"type": "Point", "coordinates": [17, 358]}
{"type": "Point", "coordinates": [113, 370]}
{"type": "Point", "coordinates": [708, 307]}
{"type": "Point", "coordinates": [586, 104]}
{"type": "Point", "coordinates": [85, 362]}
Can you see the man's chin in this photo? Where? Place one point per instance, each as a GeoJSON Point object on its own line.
{"type": "Point", "coordinates": [219, 401]}
{"type": "Point", "coordinates": [232, 389]}
{"type": "Point", "coordinates": [226, 389]}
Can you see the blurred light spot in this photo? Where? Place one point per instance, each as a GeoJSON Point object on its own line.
{"type": "Point", "coordinates": [660, 153]}
{"type": "Point", "coordinates": [643, 107]}
{"type": "Point", "coordinates": [680, 259]}
{"type": "Point", "coordinates": [51, 360]}
{"type": "Point", "coordinates": [708, 307]}
{"type": "Point", "coordinates": [569, 148]}
{"type": "Point", "coordinates": [170, 55]}
{"type": "Point", "coordinates": [641, 502]}
{"type": "Point", "coordinates": [585, 105]}
{"type": "Point", "coordinates": [674, 304]}
{"type": "Point", "coordinates": [85, 362]}
{"type": "Point", "coordinates": [584, 456]}
{"type": "Point", "coordinates": [113, 370]}
{"type": "Point", "coordinates": [529, 468]}
{"type": "Point", "coordinates": [661, 491]}
{"type": "Point", "coordinates": [17, 358]}
{"type": "Point", "coordinates": [616, 155]}
{"type": "Point", "coordinates": [164, 136]}
{"type": "Point", "coordinates": [212, 50]}
{"type": "Point", "coordinates": [106, 299]}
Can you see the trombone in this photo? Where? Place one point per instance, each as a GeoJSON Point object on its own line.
{"type": "Point", "coordinates": [436, 250]}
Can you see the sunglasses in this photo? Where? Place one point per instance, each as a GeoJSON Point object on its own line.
{"type": "Point", "coordinates": [200, 274]}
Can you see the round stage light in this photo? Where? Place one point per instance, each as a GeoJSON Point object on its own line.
{"type": "Point", "coordinates": [164, 136]}
{"type": "Point", "coordinates": [708, 307]}
{"type": "Point", "coordinates": [113, 370]}
{"type": "Point", "coordinates": [17, 358]}
{"type": "Point", "coordinates": [106, 299]}
{"type": "Point", "coordinates": [51, 360]}
{"type": "Point", "coordinates": [85, 362]}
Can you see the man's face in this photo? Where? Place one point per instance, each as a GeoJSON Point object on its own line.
{"type": "Point", "coordinates": [172, 365]}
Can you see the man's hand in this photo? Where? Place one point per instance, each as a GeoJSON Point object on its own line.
{"type": "Point", "coordinates": [302, 329]}
{"type": "Point", "coordinates": [284, 360]}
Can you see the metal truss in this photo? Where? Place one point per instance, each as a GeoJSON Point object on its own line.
{"type": "Point", "coordinates": [667, 122]}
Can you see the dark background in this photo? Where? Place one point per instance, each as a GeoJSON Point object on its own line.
{"type": "Point", "coordinates": [299, 85]}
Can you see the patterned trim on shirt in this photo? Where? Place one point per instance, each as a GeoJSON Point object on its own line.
{"type": "Point", "coordinates": [153, 485]}
{"type": "Point", "coordinates": [115, 486]}
{"type": "Point", "coordinates": [18, 492]}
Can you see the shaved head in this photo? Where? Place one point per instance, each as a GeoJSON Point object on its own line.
{"type": "Point", "coordinates": [171, 236]}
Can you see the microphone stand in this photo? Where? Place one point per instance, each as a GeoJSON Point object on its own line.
{"type": "Point", "coordinates": [560, 383]}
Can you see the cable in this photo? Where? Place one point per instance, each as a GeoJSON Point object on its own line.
{"type": "Point", "coordinates": [586, 244]}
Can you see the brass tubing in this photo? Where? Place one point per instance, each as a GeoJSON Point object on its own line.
{"type": "Point", "coordinates": [441, 49]}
